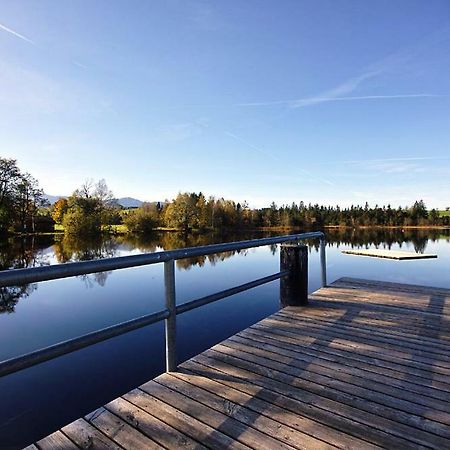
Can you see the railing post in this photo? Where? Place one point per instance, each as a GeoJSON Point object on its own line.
{"type": "Point", "coordinates": [323, 260]}
{"type": "Point", "coordinates": [294, 287]}
{"type": "Point", "coordinates": [171, 321]}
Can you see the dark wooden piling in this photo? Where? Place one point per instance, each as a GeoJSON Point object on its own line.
{"type": "Point", "coordinates": [294, 287]}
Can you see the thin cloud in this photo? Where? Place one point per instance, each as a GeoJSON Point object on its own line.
{"type": "Point", "coordinates": [259, 150]}
{"type": "Point", "coordinates": [338, 92]}
{"type": "Point", "coordinates": [315, 177]}
{"type": "Point", "coordinates": [395, 62]}
{"type": "Point", "coordinates": [78, 64]}
{"type": "Point", "coordinates": [16, 34]}
{"type": "Point", "coordinates": [382, 160]}
{"type": "Point", "coordinates": [248, 144]}
{"type": "Point", "coordinates": [315, 100]}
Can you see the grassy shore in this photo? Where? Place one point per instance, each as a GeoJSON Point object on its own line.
{"type": "Point", "coordinates": [122, 229]}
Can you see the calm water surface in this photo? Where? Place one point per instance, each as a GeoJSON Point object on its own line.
{"type": "Point", "coordinates": [43, 398]}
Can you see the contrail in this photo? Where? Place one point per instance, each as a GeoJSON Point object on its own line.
{"type": "Point", "coordinates": [15, 33]}
{"type": "Point", "coordinates": [249, 144]}
{"type": "Point", "coordinates": [407, 158]}
{"type": "Point", "coordinates": [315, 100]}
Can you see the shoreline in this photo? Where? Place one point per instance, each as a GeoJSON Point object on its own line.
{"type": "Point", "coordinates": [259, 229]}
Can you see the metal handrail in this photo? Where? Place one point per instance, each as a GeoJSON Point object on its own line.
{"type": "Point", "coordinates": [24, 276]}
{"type": "Point", "coordinates": [34, 274]}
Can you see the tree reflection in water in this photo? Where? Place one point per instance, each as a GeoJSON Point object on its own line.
{"type": "Point", "coordinates": [20, 253]}
{"type": "Point", "coordinates": [37, 251]}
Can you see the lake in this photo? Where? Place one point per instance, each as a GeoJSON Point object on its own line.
{"type": "Point", "coordinates": [37, 400]}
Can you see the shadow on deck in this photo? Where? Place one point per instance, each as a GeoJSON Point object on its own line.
{"type": "Point", "coordinates": [365, 365]}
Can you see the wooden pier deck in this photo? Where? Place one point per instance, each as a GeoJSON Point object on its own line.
{"type": "Point", "coordinates": [365, 365]}
{"type": "Point", "coordinates": [388, 254]}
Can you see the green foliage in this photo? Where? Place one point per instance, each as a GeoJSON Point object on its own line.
{"type": "Point", "coordinates": [78, 222]}
{"type": "Point", "coordinates": [182, 213]}
{"type": "Point", "coordinates": [88, 207]}
{"type": "Point", "coordinates": [91, 210]}
{"type": "Point", "coordinates": [143, 219]}
{"type": "Point", "coordinates": [20, 198]}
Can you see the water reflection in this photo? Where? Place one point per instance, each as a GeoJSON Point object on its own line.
{"type": "Point", "coordinates": [10, 296]}
{"type": "Point", "coordinates": [20, 253]}
{"type": "Point", "coordinates": [37, 251]}
{"type": "Point", "coordinates": [174, 240]}
{"type": "Point", "coordinates": [385, 237]}
{"type": "Point", "coordinates": [72, 249]}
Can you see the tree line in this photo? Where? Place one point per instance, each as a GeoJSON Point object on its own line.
{"type": "Point", "coordinates": [193, 211]}
{"type": "Point", "coordinates": [21, 199]}
{"type": "Point", "coordinates": [92, 209]}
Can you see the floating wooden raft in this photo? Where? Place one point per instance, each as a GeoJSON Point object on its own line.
{"type": "Point", "coordinates": [365, 365]}
{"type": "Point", "coordinates": [390, 254]}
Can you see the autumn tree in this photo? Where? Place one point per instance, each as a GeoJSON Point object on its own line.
{"type": "Point", "coordinates": [29, 198]}
{"type": "Point", "coordinates": [143, 219]}
{"type": "Point", "coordinates": [20, 198]}
{"type": "Point", "coordinates": [9, 177]}
{"type": "Point", "coordinates": [182, 212]}
{"type": "Point", "coordinates": [59, 209]}
{"type": "Point", "coordinates": [87, 208]}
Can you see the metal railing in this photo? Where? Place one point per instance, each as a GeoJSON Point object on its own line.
{"type": "Point", "coordinates": [35, 274]}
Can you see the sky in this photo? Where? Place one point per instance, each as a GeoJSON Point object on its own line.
{"type": "Point", "coordinates": [321, 101]}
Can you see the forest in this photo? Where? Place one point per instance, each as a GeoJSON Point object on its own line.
{"type": "Point", "coordinates": [92, 209]}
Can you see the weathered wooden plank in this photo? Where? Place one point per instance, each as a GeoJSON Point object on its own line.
{"type": "Point", "coordinates": [394, 421]}
{"type": "Point", "coordinates": [56, 441]}
{"type": "Point", "coordinates": [307, 404]}
{"type": "Point", "coordinates": [318, 436]}
{"type": "Point", "coordinates": [383, 286]}
{"type": "Point", "coordinates": [439, 364]}
{"type": "Point", "coordinates": [267, 427]}
{"type": "Point", "coordinates": [388, 325]}
{"type": "Point", "coordinates": [236, 403]}
{"type": "Point", "coordinates": [362, 353]}
{"type": "Point", "coordinates": [437, 314]}
{"type": "Point", "coordinates": [388, 287]}
{"type": "Point", "coordinates": [301, 413]}
{"type": "Point", "coordinates": [415, 301]}
{"type": "Point", "coordinates": [367, 365]}
{"type": "Point", "coordinates": [271, 418]}
{"type": "Point", "coordinates": [215, 419]}
{"type": "Point", "coordinates": [387, 298]}
{"type": "Point", "coordinates": [413, 342]}
{"type": "Point", "coordinates": [151, 426]}
{"type": "Point", "coordinates": [119, 431]}
{"type": "Point", "coordinates": [360, 314]}
{"type": "Point", "coordinates": [86, 436]}
{"type": "Point", "coordinates": [370, 371]}
{"type": "Point", "coordinates": [438, 324]}
{"type": "Point", "coordinates": [349, 383]}
{"type": "Point", "coordinates": [390, 254]}
{"type": "Point", "coordinates": [188, 425]}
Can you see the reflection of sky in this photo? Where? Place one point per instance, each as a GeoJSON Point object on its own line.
{"type": "Point", "coordinates": [63, 309]}
{"type": "Point", "coordinates": [428, 272]}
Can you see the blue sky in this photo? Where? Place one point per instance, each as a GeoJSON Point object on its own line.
{"type": "Point", "coordinates": [327, 101]}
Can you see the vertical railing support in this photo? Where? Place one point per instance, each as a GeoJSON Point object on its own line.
{"type": "Point", "coordinates": [171, 321]}
{"type": "Point", "coordinates": [294, 287]}
{"type": "Point", "coordinates": [323, 260]}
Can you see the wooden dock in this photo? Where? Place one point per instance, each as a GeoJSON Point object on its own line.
{"type": "Point", "coordinates": [389, 254]}
{"type": "Point", "coordinates": [365, 365]}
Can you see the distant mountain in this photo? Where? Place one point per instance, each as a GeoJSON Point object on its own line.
{"type": "Point", "coordinates": [125, 202]}
{"type": "Point", "coordinates": [129, 202]}
{"type": "Point", "coordinates": [53, 198]}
